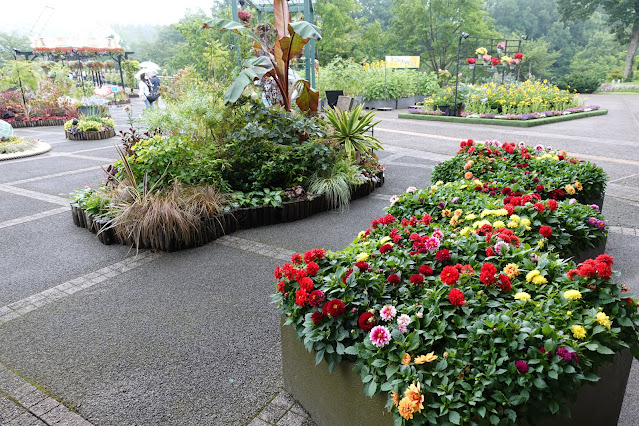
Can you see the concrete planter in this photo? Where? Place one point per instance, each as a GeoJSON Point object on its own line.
{"type": "Point", "coordinates": [338, 399]}
{"type": "Point", "coordinates": [380, 103]}
{"type": "Point", "coordinates": [403, 103]}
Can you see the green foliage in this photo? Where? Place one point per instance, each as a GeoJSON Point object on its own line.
{"type": "Point", "coordinates": [341, 35]}
{"type": "Point", "coordinates": [335, 183]}
{"type": "Point", "coordinates": [163, 160]}
{"type": "Point", "coordinates": [93, 201]}
{"type": "Point", "coordinates": [130, 67]}
{"type": "Point", "coordinates": [17, 73]}
{"type": "Point", "coordinates": [350, 129]}
{"type": "Point", "coordinates": [582, 83]}
{"type": "Point", "coordinates": [94, 123]}
{"type": "Point", "coordinates": [10, 41]}
{"type": "Point", "coordinates": [341, 74]}
{"type": "Point", "coordinates": [264, 197]}
{"type": "Point", "coordinates": [432, 27]}
{"type": "Point", "coordinates": [599, 56]}
{"type": "Point", "coordinates": [395, 83]}
{"type": "Point", "coordinates": [615, 74]}
{"type": "Point", "coordinates": [539, 58]}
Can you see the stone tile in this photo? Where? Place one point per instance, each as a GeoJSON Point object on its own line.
{"type": "Point", "coordinates": [23, 390]}
{"type": "Point", "coordinates": [259, 422]}
{"type": "Point", "coordinates": [11, 384]}
{"type": "Point", "coordinates": [26, 419]}
{"type": "Point", "coordinates": [272, 413]}
{"type": "Point", "coordinates": [44, 406]}
{"type": "Point", "coordinates": [31, 399]}
{"type": "Point", "coordinates": [292, 419]}
{"type": "Point", "coordinates": [55, 415]}
{"type": "Point", "coordinates": [26, 309]}
{"type": "Point", "coordinates": [284, 400]}
{"type": "Point", "coordinates": [73, 419]}
{"type": "Point", "coordinates": [9, 410]}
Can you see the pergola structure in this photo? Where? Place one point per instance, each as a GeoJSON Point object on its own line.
{"type": "Point", "coordinates": [306, 7]}
{"type": "Point", "coordinates": [75, 49]}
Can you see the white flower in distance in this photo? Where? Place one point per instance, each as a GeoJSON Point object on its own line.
{"type": "Point", "coordinates": [411, 189]}
{"type": "Point", "coordinates": [394, 199]}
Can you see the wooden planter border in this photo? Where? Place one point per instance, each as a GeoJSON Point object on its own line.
{"type": "Point", "coordinates": [221, 224]}
{"type": "Point", "coordinates": [38, 123]}
{"type": "Point", "coordinates": [90, 135]}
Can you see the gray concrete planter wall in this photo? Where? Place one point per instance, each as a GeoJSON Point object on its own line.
{"type": "Point", "coordinates": [38, 123]}
{"type": "Point", "coordinates": [403, 103]}
{"type": "Point", "coordinates": [380, 103]}
{"type": "Point", "coordinates": [338, 399]}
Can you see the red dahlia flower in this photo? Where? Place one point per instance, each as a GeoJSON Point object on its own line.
{"type": "Point", "coordinates": [297, 259]}
{"type": "Point", "coordinates": [312, 268]}
{"type": "Point", "coordinates": [367, 321]}
{"type": "Point", "coordinates": [393, 279]}
{"type": "Point", "coordinates": [449, 275]}
{"type": "Point", "coordinates": [301, 297]}
{"type": "Point", "coordinates": [385, 248]}
{"type": "Point", "coordinates": [545, 231]}
{"type": "Point", "coordinates": [335, 307]}
{"type": "Point", "coordinates": [417, 279]}
{"type": "Point", "coordinates": [426, 270]}
{"type": "Point", "coordinates": [347, 274]}
{"type": "Point", "coordinates": [362, 266]}
{"type": "Point", "coordinates": [281, 286]}
{"type": "Point", "coordinates": [552, 205]}
{"type": "Point", "coordinates": [317, 317]}
{"type": "Point", "coordinates": [456, 297]}
{"type": "Point", "coordinates": [442, 255]}
{"type": "Point", "coordinates": [307, 284]}
{"type": "Point", "coordinates": [316, 298]}
{"type": "Point", "coordinates": [504, 283]}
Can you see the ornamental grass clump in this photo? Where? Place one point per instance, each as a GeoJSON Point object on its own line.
{"type": "Point", "coordinates": [463, 306]}
{"type": "Point", "coordinates": [15, 144]}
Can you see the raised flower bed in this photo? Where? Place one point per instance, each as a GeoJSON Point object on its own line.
{"type": "Point", "coordinates": [91, 128]}
{"type": "Point", "coordinates": [39, 121]}
{"type": "Point", "coordinates": [211, 228]}
{"type": "Point", "coordinates": [462, 306]}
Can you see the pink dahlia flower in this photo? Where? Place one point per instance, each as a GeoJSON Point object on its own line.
{"type": "Point", "coordinates": [380, 336]}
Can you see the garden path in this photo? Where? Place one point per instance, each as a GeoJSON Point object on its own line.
{"type": "Point", "coordinates": [95, 334]}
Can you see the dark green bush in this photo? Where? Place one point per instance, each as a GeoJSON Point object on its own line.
{"type": "Point", "coordinates": [582, 83]}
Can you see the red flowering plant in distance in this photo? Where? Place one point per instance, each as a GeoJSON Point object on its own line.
{"type": "Point", "coordinates": [451, 289]}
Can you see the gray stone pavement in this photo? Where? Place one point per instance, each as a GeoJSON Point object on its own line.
{"type": "Point", "coordinates": [104, 335]}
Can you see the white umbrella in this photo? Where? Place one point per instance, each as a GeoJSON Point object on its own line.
{"type": "Point", "coordinates": [149, 65]}
{"type": "Point", "coordinates": [142, 71]}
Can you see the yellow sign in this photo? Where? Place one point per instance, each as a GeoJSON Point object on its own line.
{"type": "Point", "coordinates": [402, 62]}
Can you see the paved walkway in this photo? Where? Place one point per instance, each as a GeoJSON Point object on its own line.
{"type": "Point", "coordinates": [94, 334]}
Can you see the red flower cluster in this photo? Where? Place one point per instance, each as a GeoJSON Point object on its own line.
{"type": "Point", "coordinates": [362, 266]}
{"type": "Point", "coordinates": [307, 284]}
{"type": "Point", "coordinates": [367, 321]}
{"type": "Point", "coordinates": [317, 317]}
{"type": "Point", "coordinates": [495, 61]}
{"type": "Point", "coordinates": [600, 267]}
{"type": "Point", "coordinates": [301, 297]}
{"type": "Point", "coordinates": [346, 275]}
{"type": "Point", "coordinates": [456, 297]}
{"type": "Point", "coordinates": [545, 231]}
{"type": "Point", "coordinates": [504, 283]}
{"type": "Point", "coordinates": [314, 254]}
{"type": "Point", "coordinates": [487, 273]}
{"type": "Point", "coordinates": [519, 56]}
{"type": "Point", "coordinates": [386, 220]}
{"type": "Point", "coordinates": [471, 60]}
{"type": "Point", "coordinates": [552, 205]}
{"type": "Point", "coordinates": [385, 248]}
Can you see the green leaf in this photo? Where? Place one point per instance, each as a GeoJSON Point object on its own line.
{"type": "Point", "coordinates": [494, 419]}
{"type": "Point", "coordinates": [553, 406]}
{"type": "Point", "coordinates": [391, 369]}
{"type": "Point", "coordinates": [370, 388]}
{"type": "Point", "coordinates": [454, 417]}
{"type": "Point", "coordinates": [351, 350]}
{"type": "Point", "coordinates": [340, 348]}
{"type": "Point", "coordinates": [379, 363]}
{"type": "Point", "coordinates": [604, 350]}
{"type": "Point", "coordinates": [540, 383]}
{"type": "Point", "coordinates": [591, 377]}
{"type": "Point", "coordinates": [553, 375]}
{"type": "Point", "coordinates": [517, 399]}
{"type": "Point", "coordinates": [592, 346]}
{"type": "Point", "coordinates": [481, 411]}
{"type": "Point", "coordinates": [319, 356]}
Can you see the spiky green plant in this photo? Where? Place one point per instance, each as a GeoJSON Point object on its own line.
{"type": "Point", "coordinates": [335, 183]}
{"type": "Point", "coordinates": [350, 129]}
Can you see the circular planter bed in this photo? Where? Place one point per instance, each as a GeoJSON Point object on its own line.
{"type": "Point", "coordinates": [222, 224]}
{"type": "Point", "coordinates": [90, 135]}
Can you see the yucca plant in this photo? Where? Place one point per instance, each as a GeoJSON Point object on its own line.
{"type": "Point", "coordinates": [350, 129]}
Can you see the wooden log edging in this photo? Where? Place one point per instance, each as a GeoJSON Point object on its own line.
{"type": "Point", "coordinates": [90, 135]}
{"type": "Point", "coordinates": [38, 123]}
{"type": "Point", "coordinates": [221, 224]}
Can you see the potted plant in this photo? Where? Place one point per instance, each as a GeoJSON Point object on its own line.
{"type": "Point", "coordinates": [92, 106]}
{"type": "Point", "coordinates": [501, 47]}
{"type": "Point", "coordinates": [471, 63]}
{"type": "Point", "coordinates": [487, 59]}
{"type": "Point", "coordinates": [481, 51]}
{"type": "Point", "coordinates": [89, 128]}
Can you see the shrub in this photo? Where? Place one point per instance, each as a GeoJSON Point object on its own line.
{"type": "Point", "coordinates": [17, 144]}
{"type": "Point", "coordinates": [581, 83]}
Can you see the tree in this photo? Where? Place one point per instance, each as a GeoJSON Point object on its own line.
{"type": "Point", "coordinates": [433, 27]}
{"type": "Point", "coordinates": [340, 30]}
{"type": "Point", "coordinates": [601, 55]}
{"type": "Point", "coordinates": [538, 58]}
{"type": "Point", "coordinates": [376, 11]}
{"type": "Point", "coordinates": [10, 41]}
{"type": "Point", "coordinates": [623, 20]}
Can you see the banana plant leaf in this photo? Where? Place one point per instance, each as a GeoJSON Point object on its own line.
{"type": "Point", "coordinates": [308, 99]}
{"type": "Point", "coordinates": [255, 69]}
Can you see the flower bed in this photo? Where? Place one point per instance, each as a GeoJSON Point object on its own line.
{"type": "Point", "coordinates": [91, 128]}
{"type": "Point", "coordinates": [462, 305]}
{"type": "Point", "coordinates": [211, 228]}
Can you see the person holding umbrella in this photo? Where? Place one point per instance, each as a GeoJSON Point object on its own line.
{"type": "Point", "coordinates": [144, 88]}
{"type": "Point", "coordinates": [154, 87]}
